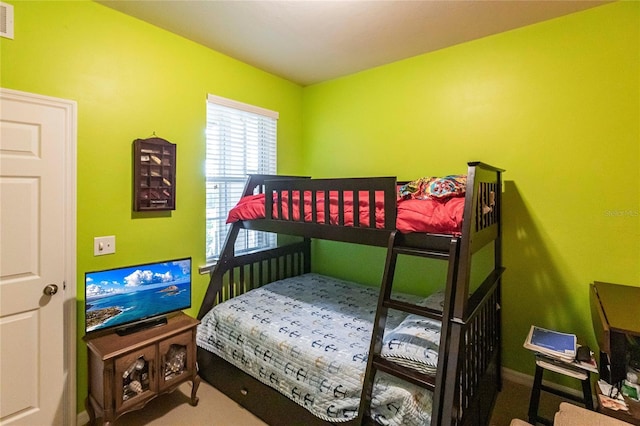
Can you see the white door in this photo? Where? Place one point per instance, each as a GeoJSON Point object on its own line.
{"type": "Point", "coordinates": [37, 189]}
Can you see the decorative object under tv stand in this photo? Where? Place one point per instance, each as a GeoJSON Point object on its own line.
{"type": "Point", "coordinates": [126, 372]}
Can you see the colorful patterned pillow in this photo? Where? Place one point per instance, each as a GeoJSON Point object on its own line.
{"type": "Point", "coordinates": [434, 187]}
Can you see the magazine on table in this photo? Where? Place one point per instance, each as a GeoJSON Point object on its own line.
{"type": "Point", "coordinates": [552, 343]}
{"type": "Point", "coordinates": [568, 369]}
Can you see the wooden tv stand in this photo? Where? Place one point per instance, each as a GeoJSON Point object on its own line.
{"type": "Point", "coordinates": [126, 372]}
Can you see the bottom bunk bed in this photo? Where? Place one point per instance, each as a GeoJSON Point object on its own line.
{"type": "Point", "coordinates": [297, 348]}
{"type": "Point", "coordinates": [308, 337]}
{"type": "Point", "coordinates": [308, 370]}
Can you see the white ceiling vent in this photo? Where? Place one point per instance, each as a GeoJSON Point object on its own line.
{"type": "Point", "coordinates": [6, 20]}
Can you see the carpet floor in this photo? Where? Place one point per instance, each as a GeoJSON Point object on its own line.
{"type": "Point", "coordinates": [215, 409]}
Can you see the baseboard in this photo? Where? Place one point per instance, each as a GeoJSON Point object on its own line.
{"type": "Point", "coordinates": [526, 380]}
{"type": "Point", "coordinates": [517, 377]}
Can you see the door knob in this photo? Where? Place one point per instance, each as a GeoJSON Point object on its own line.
{"type": "Point", "coordinates": [50, 290]}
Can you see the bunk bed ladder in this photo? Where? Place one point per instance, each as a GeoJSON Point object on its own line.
{"type": "Point", "coordinates": [377, 363]}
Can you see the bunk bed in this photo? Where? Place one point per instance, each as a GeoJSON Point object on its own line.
{"type": "Point", "coordinates": [449, 377]}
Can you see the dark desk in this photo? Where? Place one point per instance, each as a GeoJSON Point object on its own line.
{"type": "Point", "coordinates": [615, 313]}
{"type": "Point", "coordinates": [614, 310]}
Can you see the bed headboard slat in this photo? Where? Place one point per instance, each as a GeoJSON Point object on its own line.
{"type": "Point", "coordinates": [237, 275]}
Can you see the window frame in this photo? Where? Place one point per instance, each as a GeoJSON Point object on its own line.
{"type": "Point", "coordinates": [254, 115]}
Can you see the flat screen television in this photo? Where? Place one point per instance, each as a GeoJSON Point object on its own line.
{"type": "Point", "coordinates": [131, 298]}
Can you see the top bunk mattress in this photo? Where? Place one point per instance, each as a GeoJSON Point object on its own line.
{"type": "Point", "coordinates": [426, 205]}
{"type": "Point", "coordinates": [308, 337]}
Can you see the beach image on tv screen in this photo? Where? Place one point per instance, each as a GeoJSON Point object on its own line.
{"type": "Point", "coordinates": [125, 295]}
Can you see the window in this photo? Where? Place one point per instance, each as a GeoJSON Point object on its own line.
{"type": "Point", "coordinates": [241, 139]}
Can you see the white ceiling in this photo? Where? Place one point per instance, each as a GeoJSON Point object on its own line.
{"type": "Point", "coordinates": [309, 41]}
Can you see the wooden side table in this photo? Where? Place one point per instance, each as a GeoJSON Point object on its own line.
{"type": "Point", "coordinates": [544, 363]}
{"type": "Point", "coordinates": [126, 372]}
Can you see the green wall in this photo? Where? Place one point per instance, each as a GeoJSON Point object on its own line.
{"type": "Point", "coordinates": [557, 105]}
{"type": "Point", "coordinates": [132, 80]}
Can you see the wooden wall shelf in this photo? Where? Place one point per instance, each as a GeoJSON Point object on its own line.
{"type": "Point", "coordinates": [154, 174]}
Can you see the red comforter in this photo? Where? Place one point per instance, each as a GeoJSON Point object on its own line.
{"type": "Point", "coordinates": [413, 215]}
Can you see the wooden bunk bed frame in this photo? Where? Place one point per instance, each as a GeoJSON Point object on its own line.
{"type": "Point", "coordinates": [468, 373]}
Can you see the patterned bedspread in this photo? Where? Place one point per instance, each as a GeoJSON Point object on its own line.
{"type": "Point", "coordinates": [308, 337]}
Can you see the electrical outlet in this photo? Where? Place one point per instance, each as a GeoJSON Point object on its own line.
{"type": "Point", "coordinates": [104, 245]}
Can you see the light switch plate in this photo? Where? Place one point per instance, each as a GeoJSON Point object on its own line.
{"type": "Point", "coordinates": [104, 245]}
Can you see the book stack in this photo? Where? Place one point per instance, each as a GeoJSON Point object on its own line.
{"type": "Point", "coordinates": [554, 344]}
{"type": "Point", "coordinates": [557, 352]}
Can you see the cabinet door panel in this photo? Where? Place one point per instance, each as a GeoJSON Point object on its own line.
{"type": "Point", "coordinates": [135, 377]}
{"type": "Point", "coordinates": [176, 359]}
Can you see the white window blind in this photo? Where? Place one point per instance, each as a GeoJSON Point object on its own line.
{"type": "Point", "coordinates": [241, 139]}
